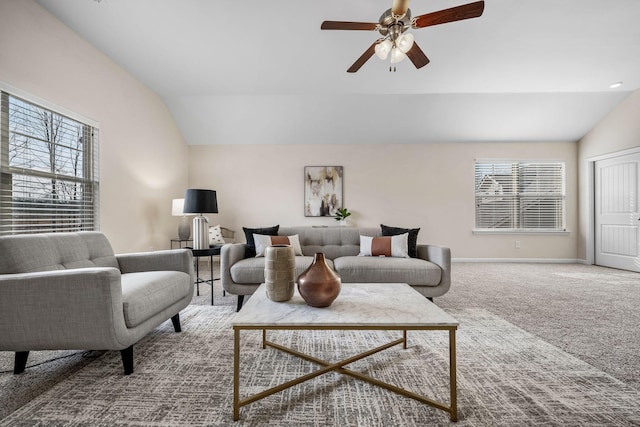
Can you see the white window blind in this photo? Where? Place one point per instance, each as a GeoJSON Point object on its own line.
{"type": "Point", "coordinates": [48, 170]}
{"type": "Point", "coordinates": [520, 196]}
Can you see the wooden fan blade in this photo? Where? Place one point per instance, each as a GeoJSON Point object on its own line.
{"type": "Point", "coordinates": [417, 56]}
{"type": "Point", "coordinates": [363, 58]}
{"type": "Point", "coordinates": [340, 25]}
{"type": "Point", "coordinates": [466, 11]}
{"type": "Point", "coordinates": [400, 7]}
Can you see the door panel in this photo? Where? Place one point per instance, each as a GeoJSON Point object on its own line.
{"type": "Point", "coordinates": [617, 218]}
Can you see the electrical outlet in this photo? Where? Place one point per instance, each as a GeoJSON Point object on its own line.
{"type": "Point", "coordinates": [517, 244]}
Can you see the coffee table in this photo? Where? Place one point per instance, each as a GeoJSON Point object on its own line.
{"type": "Point", "coordinates": [360, 306]}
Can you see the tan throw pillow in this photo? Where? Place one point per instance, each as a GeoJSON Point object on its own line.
{"type": "Point", "coordinates": [263, 242]}
{"type": "Point", "coordinates": [215, 235]}
{"type": "Point", "coordinates": [391, 246]}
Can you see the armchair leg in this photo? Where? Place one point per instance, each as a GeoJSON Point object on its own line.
{"type": "Point", "coordinates": [240, 301]}
{"type": "Point", "coordinates": [127, 360]}
{"type": "Point", "coordinates": [20, 362]}
{"type": "Point", "coordinates": [176, 322]}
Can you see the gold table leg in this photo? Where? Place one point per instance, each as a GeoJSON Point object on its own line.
{"type": "Point", "coordinates": [236, 374]}
{"type": "Point", "coordinates": [364, 377]}
{"type": "Point", "coordinates": [452, 375]}
{"type": "Point", "coordinates": [339, 367]}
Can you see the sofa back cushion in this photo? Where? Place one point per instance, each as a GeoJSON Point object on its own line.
{"type": "Point", "coordinates": [27, 253]}
{"type": "Point", "coordinates": [334, 242]}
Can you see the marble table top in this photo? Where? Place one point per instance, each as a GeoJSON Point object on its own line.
{"type": "Point", "coordinates": [358, 305]}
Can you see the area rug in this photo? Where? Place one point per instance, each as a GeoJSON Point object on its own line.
{"type": "Point", "coordinates": [506, 377]}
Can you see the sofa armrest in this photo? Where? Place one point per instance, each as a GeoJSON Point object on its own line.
{"type": "Point", "coordinates": [168, 260]}
{"type": "Point", "coordinates": [229, 255]}
{"type": "Point", "coordinates": [75, 308]}
{"type": "Point", "coordinates": [440, 256]}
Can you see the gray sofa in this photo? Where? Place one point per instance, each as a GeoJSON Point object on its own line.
{"type": "Point", "coordinates": [429, 274]}
{"type": "Point", "coordinates": [69, 291]}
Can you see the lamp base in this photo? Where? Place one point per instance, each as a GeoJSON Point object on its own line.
{"type": "Point", "coordinates": [201, 232]}
{"type": "Point", "coordinates": [184, 229]}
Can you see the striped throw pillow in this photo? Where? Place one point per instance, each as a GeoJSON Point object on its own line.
{"type": "Point", "coordinates": [263, 242]}
{"type": "Point", "coordinates": [388, 246]}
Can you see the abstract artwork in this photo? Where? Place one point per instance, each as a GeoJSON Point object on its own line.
{"type": "Point", "coordinates": [322, 190]}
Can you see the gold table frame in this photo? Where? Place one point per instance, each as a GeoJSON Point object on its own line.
{"type": "Point", "coordinates": [452, 409]}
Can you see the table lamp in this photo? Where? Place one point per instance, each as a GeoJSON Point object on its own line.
{"type": "Point", "coordinates": [199, 202]}
{"type": "Point", "coordinates": [177, 209]}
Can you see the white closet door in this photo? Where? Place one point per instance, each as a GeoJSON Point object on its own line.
{"type": "Point", "coordinates": [617, 217]}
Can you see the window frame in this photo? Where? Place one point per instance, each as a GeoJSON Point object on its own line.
{"type": "Point", "coordinates": [57, 214]}
{"type": "Point", "coordinates": [518, 196]}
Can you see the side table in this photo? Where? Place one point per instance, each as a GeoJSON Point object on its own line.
{"type": "Point", "coordinates": [210, 252]}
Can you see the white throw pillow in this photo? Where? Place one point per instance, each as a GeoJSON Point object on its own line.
{"type": "Point", "coordinates": [215, 235]}
{"type": "Point", "coordinates": [393, 246]}
{"type": "Point", "coordinates": [263, 242]}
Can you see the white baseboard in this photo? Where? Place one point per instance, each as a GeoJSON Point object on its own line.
{"type": "Point", "coordinates": [527, 260]}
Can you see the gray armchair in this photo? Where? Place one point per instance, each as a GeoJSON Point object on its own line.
{"type": "Point", "coordinates": [69, 291]}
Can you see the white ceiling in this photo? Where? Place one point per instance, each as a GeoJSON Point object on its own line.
{"type": "Point", "coordinates": [262, 71]}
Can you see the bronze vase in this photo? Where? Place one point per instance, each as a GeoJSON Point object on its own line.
{"type": "Point", "coordinates": [319, 285]}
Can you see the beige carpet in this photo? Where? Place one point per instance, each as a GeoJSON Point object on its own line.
{"type": "Point", "coordinates": [507, 376]}
{"type": "Point", "coordinates": [590, 312]}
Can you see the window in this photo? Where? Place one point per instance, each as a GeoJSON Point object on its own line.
{"type": "Point", "coordinates": [520, 196]}
{"type": "Point", "coordinates": [48, 170]}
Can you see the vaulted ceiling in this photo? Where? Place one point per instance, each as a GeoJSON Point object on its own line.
{"type": "Point", "coordinates": [262, 71]}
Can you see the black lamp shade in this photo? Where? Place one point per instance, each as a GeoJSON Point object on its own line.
{"type": "Point", "coordinates": [200, 201]}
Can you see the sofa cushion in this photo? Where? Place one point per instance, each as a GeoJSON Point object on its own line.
{"type": "Point", "coordinates": [148, 293]}
{"type": "Point", "coordinates": [393, 246]}
{"type": "Point", "coordinates": [263, 242]}
{"type": "Point", "coordinates": [413, 237]}
{"type": "Point", "coordinates": [251, 270]}
{"type": "Point", "coordinates": [250, 249]}
{"type": "Point", "coordinates": [353, 269]}
{"type": "Point", "coordinates": [333, 242]}
{"type": "Point", "coordinates": [55, 251]}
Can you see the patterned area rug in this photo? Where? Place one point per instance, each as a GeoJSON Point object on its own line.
{"type": "Point", "coordinates": [506, 377]}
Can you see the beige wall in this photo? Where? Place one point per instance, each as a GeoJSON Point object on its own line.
{"type": "Point", "coordinates": [430, 186]}
{"type": "Point", "coordinates": [143, 157]}
{"type": "Point", "coordinates": [618, 131]}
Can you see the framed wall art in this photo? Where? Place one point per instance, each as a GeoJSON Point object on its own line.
{"type": "Point", "coordinates": [322, 190]}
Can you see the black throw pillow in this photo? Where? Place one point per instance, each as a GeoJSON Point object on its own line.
{"type": "Point", "coordinates": [413, 237]}
{"type": "Point", "coordinates": [250, 250]}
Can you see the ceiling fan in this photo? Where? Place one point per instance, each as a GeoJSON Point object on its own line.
{"type": "Point", "coordinates": [393, 25]}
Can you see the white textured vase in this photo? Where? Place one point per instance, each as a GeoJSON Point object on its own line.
{"type": "Point", "coordinates": [279, 272]}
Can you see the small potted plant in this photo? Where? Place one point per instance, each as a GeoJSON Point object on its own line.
{"type": "Point", "coordinates": [341, 215]}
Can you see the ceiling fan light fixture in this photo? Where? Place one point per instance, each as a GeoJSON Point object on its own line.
{"type": "Point", "coordinates": [405, 42]}
{"type": "Point", "coordinates": [383, 48]}
{"type": "Point", "coordinates": [393, 24]}
{"type": "Point", "coordinates": [397, 55]}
